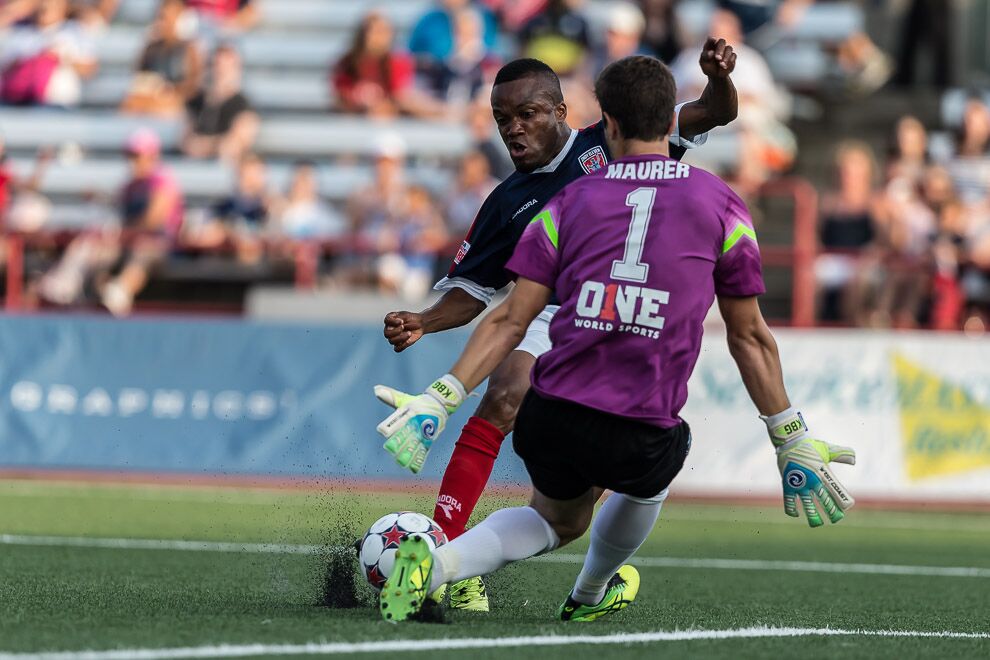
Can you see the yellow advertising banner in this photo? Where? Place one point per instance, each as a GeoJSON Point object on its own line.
{"type": "Point", "coordinates": [945, 431]}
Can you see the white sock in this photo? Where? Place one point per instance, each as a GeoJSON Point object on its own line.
{"type": "Point", "coordinates": [621, 527]}
{"type": "Point", "coordinates": [506, 536]}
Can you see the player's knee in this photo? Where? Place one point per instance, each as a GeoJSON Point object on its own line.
{"type": "Point", "coordinates": [501, 403]}
{"type": "Point", "coordinates": [570, 530]}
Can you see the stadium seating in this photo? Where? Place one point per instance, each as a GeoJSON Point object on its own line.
{"type": "Point", "coordinates": [307, 136]}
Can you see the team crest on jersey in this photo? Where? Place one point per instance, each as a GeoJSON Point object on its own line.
{"type": "Point", "coordinates": [593, 159]}
{"type": "Point", "coordinates": [462, 252]}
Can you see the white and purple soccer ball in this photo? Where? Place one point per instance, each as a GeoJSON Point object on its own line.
{"type": "Point", "coordinates": [377, 550]}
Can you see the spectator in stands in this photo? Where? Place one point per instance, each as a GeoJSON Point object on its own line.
{"type": "Point", "coordinates": [623, 36]}
{"type": "Point", "coordinates": [96, 15]}
{"type": "Point", "coordinates": [559, 36]}
{"type": "Point", "coordinates": [151, 207]}
{"type": "Point", "coordinates": [303, 213]}
{"type": "Point", "coordinates": [927, 21]}
{"type": "Point", "coordinates": [457, 78]}
{"type": "Point", "coordinates": [661, 32]}
{"type": "Point", "coordinates": [434, 36]}
{"type": "Point", "coordinates": [848, 228]}
{"type": "Point", "coordinates": [15, 11]}
{"type": "Point", "coordinates": [908, 222]}
{"type": "Point", "coordinates": [45, 61]}
{"type": "Point", "coordinates": [224, 18]}
{"type": "Point", "coordinates": [975, 279]}
{"type": "Point", "coordinates": [170, 70]}
{"type": "Point", "coordinates": [221, 123]}
{"type": "Point", "coordinates": [397, 222]}
{"type": "Point", "coordinates": [22, 206]}
{"type": "Point", "coordinates": [371, 207]}
{"type": "Point", "coordinates": [409, 244]}
{"type": "Point", "coordinates": [514, 14]}
{"type": "Point", "coordinates": [908, 151]}
{"type": "Point", "coordinates": [970, 168]}
{"type": "Point", "coordinates": [486, 140]}
{"type": "Point", "coordinates": [151, 212]}
{"type": "Point", "coordinates": [239, 219]}
{"type": "Point", "coordinates": [474, 183]}
{"type": "Point", "coordinates": [374, 79]}
{"type": "Point", "coordinates": [767, 143]}
{"type": "Point", "coordinates": [7, 180]}
{"type": "Point", "coordinates": [755, 15]}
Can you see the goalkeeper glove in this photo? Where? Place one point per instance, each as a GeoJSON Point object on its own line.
{"type": "Point", "coordinates": [418, 419]}
{"type": "Point", "coordinates": [803, 463]}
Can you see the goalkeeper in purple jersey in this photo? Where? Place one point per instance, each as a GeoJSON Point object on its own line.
{"type": "Point", "coordinates": [637, 253]}
{"type": "Point", "coordinates": [529, 109]}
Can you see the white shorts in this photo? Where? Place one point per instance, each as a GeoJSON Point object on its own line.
{"type": "Point", "coordinates": [537, 339]}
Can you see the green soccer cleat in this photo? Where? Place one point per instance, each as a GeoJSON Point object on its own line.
{"type": "Point", "coordinates": [620, 592]}
{"type": "Point", "coordinates": [408, 585]}
{"type": "Point", "coordinates": [469, 594]}
{"type": "Point", "coordinates": [438, 595]}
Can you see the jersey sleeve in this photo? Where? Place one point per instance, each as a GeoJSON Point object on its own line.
{"type": "Point", "coordinates": [684, 142]}
{"type": "Point", "coordinates": [738, 271]}
{"type": "Point", "coordinates": [537, 256]}
{"type": "Point", "coordinates": [479, 266]}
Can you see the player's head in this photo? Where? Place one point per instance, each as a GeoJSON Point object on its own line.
{"type": "Point", "coordinates": [637, 96]}
{"type": "Point", "coordinates": [528, 106]}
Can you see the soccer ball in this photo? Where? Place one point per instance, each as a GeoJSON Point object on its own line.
{"type": "Point", "coordinates": [377, 550]}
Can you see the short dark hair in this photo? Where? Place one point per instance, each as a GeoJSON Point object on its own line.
{"type": "Point", "coordinates": [638, 92]}
{"type": "Point", "coordinates": [526, 67]}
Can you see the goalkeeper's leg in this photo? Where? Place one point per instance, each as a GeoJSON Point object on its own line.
{"type": "Point", "coordinates": [623, 523]}
{"type": "Point", "coordinates": [510, 535]}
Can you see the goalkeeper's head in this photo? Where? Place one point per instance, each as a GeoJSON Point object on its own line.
{"type": "Point", "coordinates": [636, 95]}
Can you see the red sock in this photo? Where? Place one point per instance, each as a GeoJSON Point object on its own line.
{"type": "Point", "coordinates": [466, 475]}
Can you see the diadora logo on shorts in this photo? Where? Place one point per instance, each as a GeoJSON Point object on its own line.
{"type": "Point", "coordinates": [461, 252]}
{"type": "Point", "coordinates": [593, 159]}
{"type": "Point", "coordinates": [637, 309]}
{"type": "Point", "coordinates": [448, 504]}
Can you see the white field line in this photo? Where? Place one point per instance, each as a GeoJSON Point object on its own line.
{"type": "Point", "coordinates": [780, 565]}
{"type": "Point", "coordinates": [160, 544]}
{"type": "Point", "coordinates": [557, 558]}
{"type": "Point", "coordinates": [428, 645]}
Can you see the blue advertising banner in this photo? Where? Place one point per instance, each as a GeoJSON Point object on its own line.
{"type": "Point", "coordinates": [215, 397]}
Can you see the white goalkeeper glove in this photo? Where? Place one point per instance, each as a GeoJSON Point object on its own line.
{"type": "Point", "coordinates": [418, 419]}
{"type": "Point", "coordinates": [803, 463]}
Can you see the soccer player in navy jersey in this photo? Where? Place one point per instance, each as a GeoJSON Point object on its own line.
{"type": "Point", "coordinates": [637, 253]}
{"type": "Point", "coordinates": [529, 109]}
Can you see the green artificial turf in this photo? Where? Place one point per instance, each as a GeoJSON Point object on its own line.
{"type": "Point", "coordinates": [62, 598]}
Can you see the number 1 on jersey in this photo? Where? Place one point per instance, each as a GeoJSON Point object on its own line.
{"type": "Point", "coordinates": [629, 268]}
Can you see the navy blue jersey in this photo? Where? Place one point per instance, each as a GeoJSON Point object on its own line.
{"type": "Point", "coordinates": [479, 267]}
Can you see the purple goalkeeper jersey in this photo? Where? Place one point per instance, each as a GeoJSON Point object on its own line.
{"type": "Point", "coordinates": [636, 252]}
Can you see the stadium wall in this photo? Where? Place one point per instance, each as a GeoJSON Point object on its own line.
{"type": "Point", "coordinates": [246, 398]}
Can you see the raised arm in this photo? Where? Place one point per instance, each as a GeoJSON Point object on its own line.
{"type": "Point", "coordinates": [455, 308]}
{"type": "Point", "coordinates": [719, 103]}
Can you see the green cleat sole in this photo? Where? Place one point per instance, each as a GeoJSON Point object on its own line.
{"type": "Point", "coordinates": [407, 586]}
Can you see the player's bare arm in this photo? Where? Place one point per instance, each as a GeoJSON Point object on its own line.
{"type": "Point", "coordinates": [719, 103]}
{"type": "Point", "coordinates": [419, 419]}
{"type": "Point", "coordinates": [500, 332]}
{"type": "Point", "coordinates": [803, 461]}
{"type": "Point", "coordinates": [754, 350]}
{"type": "Point", "coordinates": [455, 308]}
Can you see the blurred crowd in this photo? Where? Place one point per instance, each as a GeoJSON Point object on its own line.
{"type": "Point", "coordinates": [906, 242]}
{"type": "Point", "coordinates": [906, 239]}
